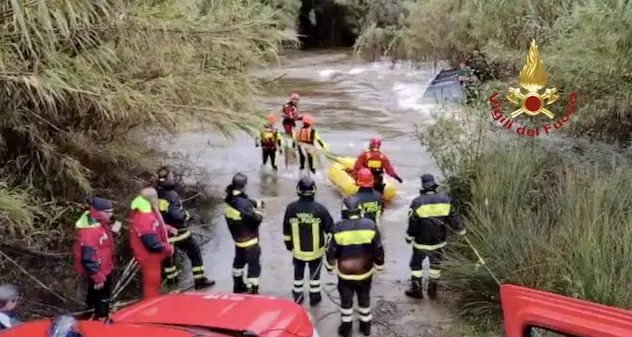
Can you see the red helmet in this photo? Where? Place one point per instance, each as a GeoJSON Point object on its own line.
{"type": "Point", "coordinates": [375, 143]}
{"type": "Point", "coordinates": [364, 178]}
{"type": "Point", "coordinates": [294, 97]}
{"type": "Point", "coordinates": [308, 120]}
{"type": "Point", "coordinates": [271, 118]}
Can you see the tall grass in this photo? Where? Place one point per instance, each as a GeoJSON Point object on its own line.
{"type": "Point", "coordinates": [585, 45]}
{"type": "Point", "coordinates": [550, 214]}
{"type": "Point", "coordinates": [83, 82]}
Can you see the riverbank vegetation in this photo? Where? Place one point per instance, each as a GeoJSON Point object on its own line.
{"type": "Point", "coordinates": [549, 212]}
{"type": "Point", "coordinates": [83, 83]}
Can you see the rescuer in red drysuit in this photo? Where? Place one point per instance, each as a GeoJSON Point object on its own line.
{"type": "Point", "coordinates": [93, 254]}
{"type": "Point", "coordinates": [290, 114]}
{"type": "Point", "coordinates": [376, 161]}
{"type": "Point", "coordinates": [149, 240]}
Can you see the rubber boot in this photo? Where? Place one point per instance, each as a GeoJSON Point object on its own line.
{"type": "Point", "coordinates": [298, 297]}
{"type": "Point", "coordinates": [415, 290]}
{"type": "Point", "coordinates": [313, 170]}
{"type": "Point", "coordinates": [253, 290]}
{"type": "Point", "coordinates": [344, 329]}
{"type": "Point", "coordinates": [365, 328]}
{"type": "Point", "coordinates": [238, 285]}
{"type": "Point", "coordinates": [315, 298]}
{"type": "Point", "coordinates": [432, 289]}
{"type": "Point", "coordinates": [203, 283]}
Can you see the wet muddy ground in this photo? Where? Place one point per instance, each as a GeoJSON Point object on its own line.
{"type": "Point", "coordinates": [350, 101]}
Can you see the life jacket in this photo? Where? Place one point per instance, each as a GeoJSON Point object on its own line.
{"type": "Point", "coordinates": [305, 135]}
{"type": "Point", "coordinates": [269, 137]}
{"type": "Point", "coordinates": [374, 161]}
{"type": "Point", "coordinates": [93, 234]}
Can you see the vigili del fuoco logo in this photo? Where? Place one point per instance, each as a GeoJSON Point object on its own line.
{"type": "Point", "coordinates": [534, 101]}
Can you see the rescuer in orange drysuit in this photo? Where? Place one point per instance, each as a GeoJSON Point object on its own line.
{"type": "Point", "coordinates": [376, 161]}
{"type": "Point", "coordinates": [290, 114]}
{"type": "Point", "coordinates": [149, 240]}
{"type": "Point", "coordinates": [270, 141]}
{"type": "Point", "coordinates": [308, 135]}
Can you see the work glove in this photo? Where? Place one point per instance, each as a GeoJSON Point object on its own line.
{"type": "Point", "coordinates": [187, 216]}
{"type": "Point", "coordinates": [399, 179]}
{"type": "Point", "coordinates": [256, 145]}
{"type": "Point", "coordinates": [409, 241]}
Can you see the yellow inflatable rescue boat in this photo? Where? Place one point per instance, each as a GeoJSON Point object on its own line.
{"type": "Point", "coordinates": [346, 184]}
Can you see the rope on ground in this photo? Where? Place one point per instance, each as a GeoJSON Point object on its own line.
{"type": "Point", "coordinates": [64, 299]}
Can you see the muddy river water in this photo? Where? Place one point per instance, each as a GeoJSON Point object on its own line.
{"type": "Point", "coordinates": [351, 101]}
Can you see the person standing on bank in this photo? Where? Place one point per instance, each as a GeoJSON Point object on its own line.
{"type": "Point", "coordinates": [93, 254]}
{"type": "Point", "coordinates": [243, 220]}
{"type": "Point", "coordinates": [170, 205]}
{"type": "Point", "coordinates": [356, 250]}
{"type": "Point", "coordinates": [305, 225]}
{"type": "Point", "coordinates": [430, 216]}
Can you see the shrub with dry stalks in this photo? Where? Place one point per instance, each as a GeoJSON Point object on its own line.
{"type": "Point", "coordinates": [84, 82]}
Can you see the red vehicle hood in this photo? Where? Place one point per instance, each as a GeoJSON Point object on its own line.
{"type": "Point", "coordinates": [263, 315]}
{"type": "Point", "coordinates": [99, 329]}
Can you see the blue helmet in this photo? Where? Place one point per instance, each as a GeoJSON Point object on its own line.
{"type": "Point", "coordinates": [63, 326]}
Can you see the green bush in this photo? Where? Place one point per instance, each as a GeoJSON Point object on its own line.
{"type": "Point", "coordinates": [585, 46]}
{"type": "Point", "coordinates": [84, 86]}
{"type": "Point", "coordinates": [550, 214]}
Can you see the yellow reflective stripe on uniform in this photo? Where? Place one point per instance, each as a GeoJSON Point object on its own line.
{"type": "Point", "coordinates": [252, 281]}
{"type": "Point", "coordinates": [433, 210]}
{"type": "Point", "coordinates": [364, 314]}
{"type": "Point", "coordinates": [181, 236]}
{"type": "Point", "coordinates": [408, 237]}
{"type": "Point", "coordinates": [287, 238]}
{"type": "Point", "coordinates": [258, 203]}
{"type": "Point", "coordinates": [316, 237]}
{"type": "Point", "coordinates": [434, 273]}
{"type": "Point", "coordinates": [417, 273]}
{"type": "Point", "coordinates": [346, 315]}
{"type": "Point", "coordinates": [170, 269]}
{"type": "Point", "coordinates": [231, 213]}
{"type": "Point", "coordinates": [378, 214]}
{"type": "Point", "coordinates": [328, 265]}
{"type": "Point", "coordinates": [163, 205]}
{"type": "Point", "coordinates": [354, 237]}
{"type": "Point", "coordinates": [308, 256]}
{"type": "Point", "coordinates": [298, 286]}
{"type": "Point", "coordinates": [378, 267]}
{"type": "Point", "coordinates": [356, 277]}
{"type": "Point", "coordinates": [248, 243]}
{"type": "Point", "coordinates": [238, 272]}
{"type": "Point", "coordinates": [197, 269]}
{"type": "Point", "coordinates": [429, 247]}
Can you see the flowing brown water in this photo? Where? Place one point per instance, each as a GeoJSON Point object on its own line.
{"type": "Point", "coordinates": [351, 101]}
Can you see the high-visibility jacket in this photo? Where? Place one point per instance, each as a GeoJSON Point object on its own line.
{"type": "Point", "coordinates": [148, 233]}
{"type": "Point", "coordinates": [93, 250]}
{"type": "Point", "coordinates": [269, 138]}
{"type": "Point", "coordinates": [242, 218]}
{"type": "Point", "coordinates": [355, 248]}
{"type": "Point", "coordinates": [305, 226]}
{"type": "Point", "coordinates": [371, 202]}
{"type": "Point", "coordinates": [430, 216]}
{"type": "Point", "coordinates": [309, 135]}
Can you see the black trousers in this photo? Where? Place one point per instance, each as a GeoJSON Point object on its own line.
{"type": "Point", "coordinates": [417, 259]}
{"type": "Point", "coordinates": [346, 289]}
{"type": "Point", "coordinates": [314, 276]}
{"type": "Point", "coordinates": [271, 154]}
{"type": "Point", "coordinates": [192, 250]}
{"type": "Point", "coordinates": [251, 257]}
{"type": "Point", "coordinates": [310, 160]}
{"type": "Point", "coordinates": [378, 182]}
{"type": "Point", "coordinates": [99, 299]}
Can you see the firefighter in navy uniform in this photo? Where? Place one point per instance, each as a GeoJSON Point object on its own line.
{"type": "Point", "coordinates": [271, 141]}
{"type": "Point", "coordinates": [170, 205]}
{"type": "Point", "coordinates": [370, 199]}
{"type": "Point", "coordinates": [430, 216]}
{"type": "Point", "coordinates": [356, 249]}
{"type": "Point", "coordinates": [244, 219]}
{"type": "Point", "coordinates": [305, 226]}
